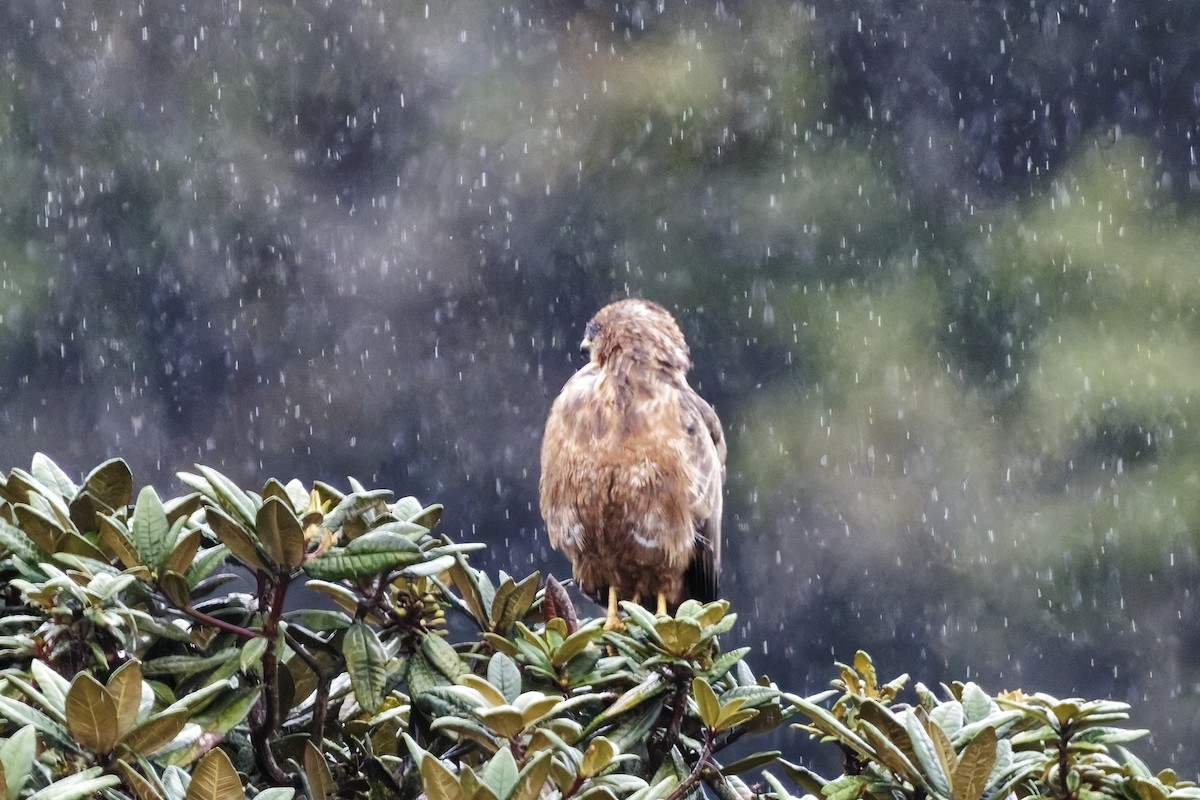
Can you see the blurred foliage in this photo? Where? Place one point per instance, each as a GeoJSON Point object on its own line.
{"type": "Point", "coordinates": [131, 669]}
{"type": "Point", "coordinates": [935, 261]}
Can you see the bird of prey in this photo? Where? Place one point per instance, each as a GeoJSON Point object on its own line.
{"type": "Point", "coordinates": [633, 466]}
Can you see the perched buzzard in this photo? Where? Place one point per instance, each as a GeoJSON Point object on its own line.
{"type": "Point", "coordinates": [633, 464]}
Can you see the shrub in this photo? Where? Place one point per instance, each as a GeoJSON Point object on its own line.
{"type": "Point", "coordinates": [158, 649]}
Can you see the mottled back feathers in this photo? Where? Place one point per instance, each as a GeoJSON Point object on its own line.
{"type": "Point", "coordinates": [633, 463]}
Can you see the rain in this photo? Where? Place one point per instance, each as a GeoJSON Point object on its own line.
{"type": "Point", "coordinates": [936, 263]}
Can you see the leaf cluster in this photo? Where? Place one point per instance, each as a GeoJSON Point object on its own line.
{"type": "Point", "coordinates": [155, 649]}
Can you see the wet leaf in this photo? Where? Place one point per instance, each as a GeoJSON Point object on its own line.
{"type": "Point", "coordinates": [678, 636]}
{"type": "Point", "coordinates": [488, 693]}
{"type": "Point", "coordinates": [149, 529]}
{"type": "Point", "coordinates": [513, 601]}
{"type": "Point", "coordinates": [52, 477]}
{"type": "Point", "coordinates": [234, 536]}
{"type": "Point", "coordinates": [366, 661]}
{"type": "Point", "coordinates": [928, 754]}
{"type": "Point", "coordinates": [91, 714]}
{"type": "Point", "coordinates": [44, 531]}
{"type": "Point", "coordinates": [226, 493]}
{"type": "Point", "coordinates": [369, 554]}
{"type": "Point", "coordinates": [652, 686]}
{"type": "Point", "coordinates": [316, 769]}
{"type": "Point", "coordinates": [352, 505]}
{"type": "Point", "coordinates": [752, 761]}
{"type": "Point", "coordinates": [598, 756]}
{"type": "Point", "coordinates": [250, 657]}
{"type": "Point", "coordinates": [184, 552]}
{"type": "Point", "coordinates": [87, 783]}
{"type": "Point", "coordinates": [503, 674]}
{"type": "Point", "coordinates": [504, 720]}
{"type": "Point", "coordinates": [125, 688]}
{"type": "Point", "coordinates": [442, 656]}
{"type": "Point", "coordinates": [20, 544]}
{"type": "Point", "coordinates": [532, 777]}
{"type": "Point", "coordinates": [156, 732]}
{"type": "Point", "coordinates": [142, 788]}
{"type": "Point", "coordinates": [111, 484]}
{"type": "Point", "coordinates": [439, 782]}
{"type": "Point", "coordinates": [214, 778]}
{"type": "Point", "coordinates": [706, 701]}
{"type": "Point", "coordinates": [500, 773]}
{"type": "Point", "coordinates": [970, 776]}
{"type": "Point", "coordinates": [280, 533]}
{"type": "Point", "coordinates": [17, 754]}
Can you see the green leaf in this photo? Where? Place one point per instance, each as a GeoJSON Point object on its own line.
{"type": "Point", "coordinates": [53, 685]}
{"type": "Point", "coordinates": [513, 601]}
{"type": "Point", "coordinates": [641, 618]}
{"type": "Point", "coordinates": [753, 761]}
{"type": "Point", "coordinates": [227, 494]}
{"type": "Point", "coordinates": [442, 656]}
{"type": "Point", "coordinates": [17, 755]}
{"type": "Point", "coordinates": [366, 661]}
{"type": "Point", "coordinates": [725, 662]}
{"type": "Point", "coordinates": [276, 793]}
{"type": "Point", "coordinates": [429, 568]}
{"type": "Point", "coordinates": [652, 686]}
{"type": "Point", "coordinates": [976, 703]}
{"type": "Point", "coordinates": [91, 714]}
{"type": "Point", "coordinates": [148, 531]}
{"type": "Point", "coordinates": [250, 657]}
{"type": "Point", "coordinates": [369, 554]}
{"type": "Point", "coordinates": [500, 774]}
{"type": "Point", "coordinates": [503, 674]}
{"type": "Point", "coordinates": [20, 544]}
{"type": "Point", "coordinates": [22, 714]}
{"type": "Point", "coordinates": [214, 778]}
{"type": "Point", "coordinates": [217, 718]}
{"type": "Point", "coordinates": [830, 725]}
{"type": "Point", "coordinates": [182, 666]}
{"type": "Point", "coordinates": [929, 756]}
{"type": "Point", "coordinates": [353, 504]}
{"type": "Point", "coordinates": [80, 785]}
{"type": "Point", "coordinates": [52, 477]}
{"type": "Point", "coordinates": [505, 720]}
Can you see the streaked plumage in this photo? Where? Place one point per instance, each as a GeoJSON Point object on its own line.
{"type": "Point", "coordinates": [633, 465]}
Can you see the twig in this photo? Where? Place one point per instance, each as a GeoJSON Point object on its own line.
{"type": "Point", "coordinates": [698, 769]}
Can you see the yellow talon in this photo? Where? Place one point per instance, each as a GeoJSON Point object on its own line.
{"type": "Point", "coordinates": [662, 604]}
{"type": "Point", "coordinates": [612, 622]}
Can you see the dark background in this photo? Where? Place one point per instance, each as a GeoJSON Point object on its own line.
{"type": "Point", "coordinates": [937, 263]}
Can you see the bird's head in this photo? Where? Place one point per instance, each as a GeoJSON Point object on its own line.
{"type": "Point", "coordinates": [640, 330]}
